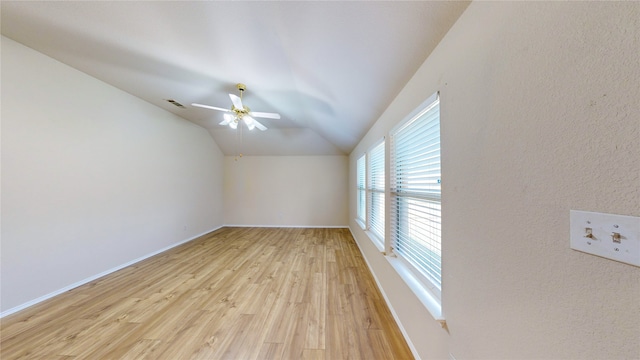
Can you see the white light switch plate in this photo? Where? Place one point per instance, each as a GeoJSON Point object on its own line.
{"type": "Point", "coordinates": [603, 227]}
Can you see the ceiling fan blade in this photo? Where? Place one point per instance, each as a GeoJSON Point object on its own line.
{"type": "Point", "coordinates": [210, 107]}
{"type": "Point", "coordinates": [251, 122]}
{"type": "Point", "coordinates": [265, 115]}
{"type": "Point", "coordinates": [248, 120]}
{"type": "Point", "coordinates": [259, 126]}
{"type": "Point", "coordinates": [236, 101]}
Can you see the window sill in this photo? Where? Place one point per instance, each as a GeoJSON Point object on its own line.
{"type": "Point", "coordinates": [360, 223]}
{"type": "Point", "coordinates": [379, 243]}
{"type": "Point", "coordinates": [430, 301]}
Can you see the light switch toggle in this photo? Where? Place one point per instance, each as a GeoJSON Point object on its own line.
{"type": "Point", "coordinates": [616, 237]}
{"type": "Point", "coordinates": [588, 233]}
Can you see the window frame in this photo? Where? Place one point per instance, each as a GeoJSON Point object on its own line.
{"type": "Point", "coordinates": [397, 193]}
{"type": "Point", "coordinates": [376, 162]}
{"type": "Point", "coordinates": [361, 192]}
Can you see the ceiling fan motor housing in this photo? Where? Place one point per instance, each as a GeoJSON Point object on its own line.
{"type": "Point", "coordinates": [241, 112]}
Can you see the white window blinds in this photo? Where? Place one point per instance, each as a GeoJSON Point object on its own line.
{"type": "Point", "coordinates": [360, 174]}
{"type": "Point", "coordinates": [375, 190]}
{"type": "Point", "coordinates": [415, 192]}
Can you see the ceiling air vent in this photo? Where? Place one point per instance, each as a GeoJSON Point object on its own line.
{"type": "Point", "coordinates": [171, 101]}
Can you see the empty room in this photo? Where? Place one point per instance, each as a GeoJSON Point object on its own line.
{"type": "Point", "coordinates": [320, 180]}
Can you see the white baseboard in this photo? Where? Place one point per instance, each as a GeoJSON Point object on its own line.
{"type": "Point", "coordinates": [292, 226]}
{"type": "Point", "coordinates": [414, 351]}
{"type": "Point", "coordinates": [97, 276]}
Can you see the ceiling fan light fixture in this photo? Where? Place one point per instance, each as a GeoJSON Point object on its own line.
{"type": "Point", "coordinates": [233, 125]}
{"type": "Point", "coordinates": [228, 118]}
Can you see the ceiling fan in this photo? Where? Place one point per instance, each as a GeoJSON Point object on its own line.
{"type": "Point", "coordinates": [239, 112]}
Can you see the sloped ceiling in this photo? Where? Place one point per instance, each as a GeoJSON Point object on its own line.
{"type": "Point", "coordinates": [329, 68]}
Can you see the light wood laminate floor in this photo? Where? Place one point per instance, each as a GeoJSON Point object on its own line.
{"type": "Point", "coordinates": [236, 293]}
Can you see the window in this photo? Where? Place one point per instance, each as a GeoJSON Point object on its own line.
{"type": "Point", "coordinates": [362, 200]}
{"type": "Point", "coordinates": [375, 191]}
{"type": "Point", "coordinates": [415, 193]}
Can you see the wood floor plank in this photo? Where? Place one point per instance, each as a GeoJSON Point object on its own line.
{"type": "Point", "coordinates": [142, 349]}
{"type": "Point", "coordinates": [299, 326]}
{"type": "Point", "coordinates": [313, 354]}
{"type": "Point", "coordinates": [270, 351]}
{"type": "Point", "coordinates": [315, 338]}
{"type": "Point", "coordinates": [237, 293]}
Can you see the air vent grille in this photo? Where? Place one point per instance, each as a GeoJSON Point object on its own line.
{"type": "Point", "coordinates": [171, 101]}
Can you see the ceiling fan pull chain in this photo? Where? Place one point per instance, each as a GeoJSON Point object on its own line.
{"type": "Point", "coordinates": [240, 127]}
{"type": "Point", "coordinates": [237, 140]}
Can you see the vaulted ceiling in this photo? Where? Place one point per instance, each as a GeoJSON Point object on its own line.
{"type": "Point", "coordinates": [329, 68]}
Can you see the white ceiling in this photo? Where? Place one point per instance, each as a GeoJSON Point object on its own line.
{"type": "Point", "coordinates": [329, 68]}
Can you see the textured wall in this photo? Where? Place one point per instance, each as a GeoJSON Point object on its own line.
{"type": "Point", "coordinates": [286, 190]}
{"type": "Point", "coordinates": [540, 115]}
{"type": "Point", "coordinates": [92, 177]}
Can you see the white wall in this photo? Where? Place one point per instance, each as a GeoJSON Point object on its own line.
{"type": "Point", "coordinates": [540, 115]}
{"type": "Point", "coordinates": [286, 190]}
{"type": "Point", "coordinates": [92, 177]}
